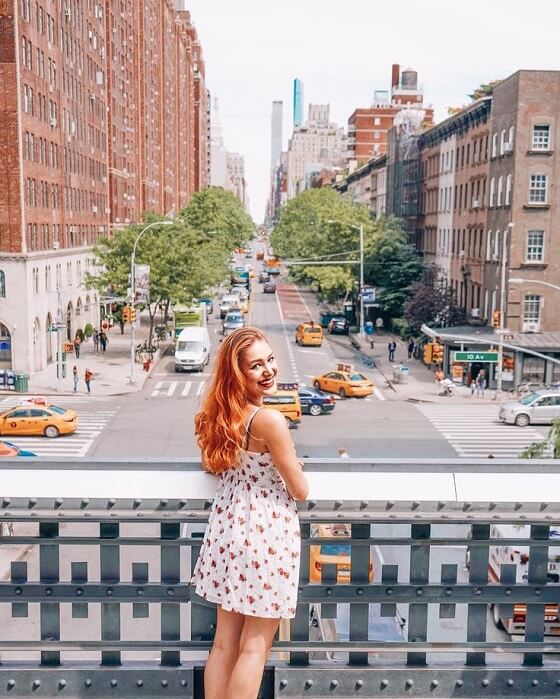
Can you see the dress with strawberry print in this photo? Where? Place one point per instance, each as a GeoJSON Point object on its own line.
{"type": "Point", "coordinates": [249, 560]}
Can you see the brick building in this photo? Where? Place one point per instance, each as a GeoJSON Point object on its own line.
{"type": "Point", "coordinates": [94, 133]}
{"type": "Point", "coordinates": [368, 127]}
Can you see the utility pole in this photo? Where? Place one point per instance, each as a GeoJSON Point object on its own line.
{"type": "Point", "coordinates": [60, 327]}
{"type": "Point", "coordinates": [499, 380]}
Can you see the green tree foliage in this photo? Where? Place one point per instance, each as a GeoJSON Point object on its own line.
{"type": "Point", "coordinates": [304, 233]}
{"type": "Point", "coordinates": [483, 90]}
{"type": "Point", "coordinates": [549, 448]}
{"type": "Point", "coordinates": [432, 301]}
{"type": "Point", "coordinates": [185, 259]}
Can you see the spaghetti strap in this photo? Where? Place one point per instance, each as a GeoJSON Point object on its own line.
{"type": "Point", "coordinates": [248, 428]}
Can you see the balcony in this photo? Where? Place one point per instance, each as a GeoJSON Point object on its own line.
{"type": "Point", "coordinates": [95, 600]}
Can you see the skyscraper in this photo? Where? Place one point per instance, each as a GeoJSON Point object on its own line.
{"type": "Point", "coordinates": [276, 133]}
{"type": "Point", "coordinates": [298, 102]}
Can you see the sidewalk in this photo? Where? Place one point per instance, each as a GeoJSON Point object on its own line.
{"type": "Point", "coordinates": [421, 386]}
{"type": "Point", "coordinates": [111, 369]}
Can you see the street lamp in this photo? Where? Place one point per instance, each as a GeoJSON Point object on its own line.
{"type": "Point", "coordinates": [359, 228]}
{"type": "Point", "coordinates": [133, 288]}
{"type": "Point", "coordinates": [518, 280]}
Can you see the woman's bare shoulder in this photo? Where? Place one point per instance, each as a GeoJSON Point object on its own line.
{"type": "Point", "coordinates": [268, 418]}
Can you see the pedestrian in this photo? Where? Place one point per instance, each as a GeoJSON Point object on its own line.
{"type": "Point", "coordinates": [410, 347]}
{"type": "Point", "coordinates": [439, 375]}
{"type": "Point", "coordinates": [379, 325]}
{"type": "Point", "coordinates": [88, 375]}
{"type": "Point", "coordinates": [103, 340]}
{"type": "Point", "coordinates": [342, 453]}
{"type": "Point", "coordinates": [480, 383]}
{"type": "Point", "coordinates": [77, 343]}
{"type": "Point", "coordinates": [247, 566]}
{"type": "Point", "coordinates": [391, 348]}
{"type": "Point", "coordinates": [95, 341]}
{"type": "Point", "coordinates": [75, 378]}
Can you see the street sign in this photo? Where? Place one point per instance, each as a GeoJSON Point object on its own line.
{"type": "Point", "coordinates": [489, 357]}
{"type": "Point", "coordinates": [368, 295]}
{"type": "Point", "coordinates": [502, 331]}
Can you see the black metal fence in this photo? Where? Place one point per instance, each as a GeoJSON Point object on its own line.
{"type": "Point", "coordinates": [408, 569]}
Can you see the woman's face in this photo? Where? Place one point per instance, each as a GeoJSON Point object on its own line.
{"type": "Point", "coordinates": [259, 367]}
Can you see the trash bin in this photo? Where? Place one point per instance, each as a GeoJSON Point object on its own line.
{"type": "Point", "coordinates": [400, 373]}
{"type": "Point", "coordinates": [21, 383]}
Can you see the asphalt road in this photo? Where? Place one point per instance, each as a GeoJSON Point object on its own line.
{"type": "Point", "coordinates": [158, 421]}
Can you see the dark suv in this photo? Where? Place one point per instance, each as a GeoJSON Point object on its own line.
{"type": "Point", "coordinates": [338, 326]}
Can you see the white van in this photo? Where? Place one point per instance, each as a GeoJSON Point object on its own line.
{"type": "Point", "coordinates": [192, 349]}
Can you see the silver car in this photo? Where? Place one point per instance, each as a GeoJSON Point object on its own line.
{"type": "Point", "coordinates": [537, 408]}
{"type": "Point", "coordinates": [233, 321]}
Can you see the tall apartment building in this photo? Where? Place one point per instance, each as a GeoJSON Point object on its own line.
{"type": "Point", "coordinates": [488, 210]}
{"type": "Point", "coordinates": [94, 133]}
{"type": "Point", "coordinates": [318, 142]}
{"type": "Point", "coordinates": [276, 133]}
{"type": "Point", "coordinates": [298, 103]}
{"type": "Point", "coordinates": [368, 127]}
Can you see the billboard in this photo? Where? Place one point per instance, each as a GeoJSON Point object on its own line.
{"type": "Point", "coordinates": [141, 284]}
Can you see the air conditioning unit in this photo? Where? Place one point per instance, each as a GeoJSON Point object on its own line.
{"type": "Point", "coordinates": [94, 209]}
{"type": "Point", "coordinates": [67, 12]}
{"type": "Point", "coordinates": [53, 122]}
{"type": "Point", "coordinates": [476, 204]}
{"type": "Point", "coordinates": [51, 88]}
{"type": "Point", "coordinates": [530, 327]}
{"type": "Point", "coordinates": [475, 312]}
{"type": "Point", "coordinates": [508, 147]}
{"type": "Point", "coordinates": [99, 79]}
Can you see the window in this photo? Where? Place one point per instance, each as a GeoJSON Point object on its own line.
{"type": "Point", "coordinates": [541, 137]}
{"type": "Point", "coordinates": [489, 244]}
{"type": "Point", "coordinates": [492, 191]}
{"type": "Point", "coordinates": [496, 254]}
{"type": "Point", "coordinates": [377, 121]}
{"type": "Point", "coordinates": [503, 142]}
{"type": "Point", "coordinates": [537, 189]}
{"type": "Point", "coordinates": [535, 246]}
{"type": "Point", "coordinates": [2, 284]}
{"type": "Point", "coordinates": [494, 145]}
{"type": "Point", "coordinates": [508, 190]}
{"type": "Point", "coordinates": [532, 309]}
{"type": "Point", "coordinates": [511, 131]}
{"type": "Point", "coordinates": [500, 190]}
{"type": "Point", "coordinates": [69, 273]}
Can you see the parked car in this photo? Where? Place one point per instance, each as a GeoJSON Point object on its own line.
{"type": "Point", "coordinates": [315, 402]}
{"type": "Point", "coordinates": [264, 277]}
{"type": "Point", "coordinates": [269, 288]}
{"type": "Point", "coordinates": [538, 408]}
{"type": "Point", "coordinates": [338, 326]}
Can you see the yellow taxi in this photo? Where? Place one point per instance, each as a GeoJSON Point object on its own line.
{"type": "Point", "coordinates": [344, 381]}
{"type": "Point", "coordinates": [286, 400]}
{"type": "Point", "coordinates": [244, 300]}
{"type": "Point", "coordinates": [309, 334]}
{"type": "Point", "coordinates": [36, 418]}
{"type": "Point", "coordinates": [338, 554]}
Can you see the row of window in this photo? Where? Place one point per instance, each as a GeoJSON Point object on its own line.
{"type": "Point", "coordinates": [43, 236]}
{"type": "Point", "coordinates": [58, 272]}
{"type": "Point", "coordinates": [44, 23]}
{"type": "Point", "coordinates": [40, 193]}
{"type": "Point", "coordinates": [40, 150]}
{"type": "Point", "coordinates": [470, 243]}
{"type": "Point", "coordinates": [38, 105]}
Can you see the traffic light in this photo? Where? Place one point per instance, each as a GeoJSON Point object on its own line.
{"type": "Point", "coordinates": [132, 315]}
{"type": "Point", "coordinates": [126, 314]}
{"type": "Point", "coordinates": [437, 353]}
{"type": "Point", "coordinates": [427, 355]}
{"type": "Point", "coordinates": [497, 319]}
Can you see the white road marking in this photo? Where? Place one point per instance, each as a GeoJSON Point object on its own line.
{"type": "Point", "coordinates": [475, 431]}
{"type": "Point", "coordinates": [90, 426]}
{"type": "Point", "coordinates": [378, 393]}
{"type": "Point", "coordinates": [186, 389]}
{"type": "Point", "coordinates": [287, 339]}
{"type": "Point", "coordinates": [172, 387]}
{"type": "Point", "coordinates": [200, 388]}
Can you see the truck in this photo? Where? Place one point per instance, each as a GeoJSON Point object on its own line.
{"type": "Point", "coordinates": [512, 618]}
{"type": "Point", "coordinates": [272, 265]}
{"type": "Point", "coordinates": [189, 316]}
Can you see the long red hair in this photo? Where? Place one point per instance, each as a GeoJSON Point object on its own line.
{"type": "Point", "coordinates": [220, 425]}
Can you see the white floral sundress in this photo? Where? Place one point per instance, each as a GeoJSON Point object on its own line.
{"type": "Point", "coordinates": [249, 560]}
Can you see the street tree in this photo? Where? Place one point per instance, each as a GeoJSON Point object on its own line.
{"type": "Point", "coordinates": [321, 224]}
{"type": "Point", "coordinates": [432, 302]}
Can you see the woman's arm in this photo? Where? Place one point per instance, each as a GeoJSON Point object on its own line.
{"type": "Point", "coordinates": [270, 426]}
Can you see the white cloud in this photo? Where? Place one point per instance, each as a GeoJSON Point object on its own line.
{"type": "Point", "coordinates": [344, 51]}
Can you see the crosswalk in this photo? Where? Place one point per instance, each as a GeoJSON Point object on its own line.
{"type": "Point", "coordinates": [77, 445]}
{"type": "Point", "coordinates": [475, 431]}
{"type": "Point", "coordinates": [178, 389]}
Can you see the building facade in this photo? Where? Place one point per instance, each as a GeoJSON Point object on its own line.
{"type": "Point", "coordinates": [319, 142]}
{"type": "Point", "coordinates": [369, 127]}
{"type": "Point", "coordinates": [85, 134]}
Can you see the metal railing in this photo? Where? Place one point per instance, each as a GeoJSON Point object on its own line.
{"type": "Point", "coordinates": [95, 600]}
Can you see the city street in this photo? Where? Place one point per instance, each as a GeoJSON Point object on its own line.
{"type": "Point", "coordinates": [158, 420]}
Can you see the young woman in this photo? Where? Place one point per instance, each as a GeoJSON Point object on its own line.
{"type": "Point", "coordinates": [249, 560]}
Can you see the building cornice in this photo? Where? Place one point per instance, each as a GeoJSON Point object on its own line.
{"type": "Point", "coordinates": [468, 118]}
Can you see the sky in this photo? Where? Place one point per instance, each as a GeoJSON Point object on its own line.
{"type": "Point", "coordinates": [344, 51]}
